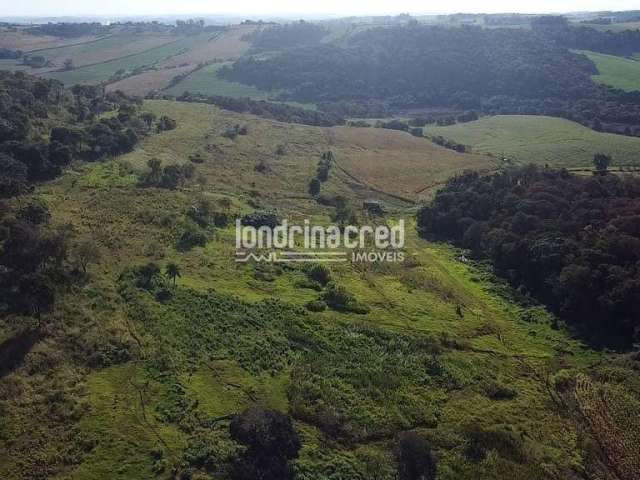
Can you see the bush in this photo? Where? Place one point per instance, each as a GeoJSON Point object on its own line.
{"type": "Point", "coordinates": [259, 219]}
{"type": "Point", "coordinates": [192, 237]}
{"type": "Point", "coordinates": [319, 273]}
{"type": "Point", "coordinates": [166, 123]}
{"type": "Point", "coordinates": [339, 299]}
{"type": "Point", "coordinates": [316, 306]}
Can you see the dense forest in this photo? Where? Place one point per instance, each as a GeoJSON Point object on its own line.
{"type": "Point", "coordinates": [562, 33]}
{"type": "Point", "coordinates": [288, 35]}
{"type": "Point", "coordinates": [571, 242]}
{"type": "Point", "coordinates": [416, 66]}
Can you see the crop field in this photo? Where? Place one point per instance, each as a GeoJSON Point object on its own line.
{"type": "Point", "coordinates": [398, 163]}
{"type": "Point", "coordinates": [541, 140]}
{"type": "Point", "coordinates": [19, 40]}
{"type": "Point", "coordinates": [615, 71]}
{"type": "Point", "coordinates": [105, 49]}
{"type": "Point", "coordinates": [105, 70]}
{"type": "Point", "coordinates": [205, 81]}
{"type": "Point", "coordinates": [221, 46]}
{"type": "Point", "coordinates": [155, 79]}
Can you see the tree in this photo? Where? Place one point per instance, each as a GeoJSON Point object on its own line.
{"type": "Point", "coordinates": [166, 123]}
{"type": "Point", "coordinates": [271, 443]}
{"type": "Point", "coordinates": [172, 271]}
{"type": "Point", "coordinates": [414, 457]}
{"type": "Point", "coordinates": [68, 64]}
{"type": "Point", "coordinates": [86, 252]}
{"type": "Point", "coordinates": [314, 187]}
{"type": "Point", "coordinates": [601, 162]}
{"type": "Point", "coordinates": [154, 175]}
{"type": "Point", "coordinates": [13, 176]}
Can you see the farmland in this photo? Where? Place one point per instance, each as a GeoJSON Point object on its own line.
{"type": "Point", "coordinates": [105, 49]}
{"type": "Point", "coordinates": [205, 81]}
{"type": "Point", "coordinates": [615, 71]}
{"type": "Point", "coordinates": [541, 140]}
{"type": "Point", "coordinates": [103, 71]}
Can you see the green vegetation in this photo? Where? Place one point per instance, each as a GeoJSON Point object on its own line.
{"type": "Point", "coordinates": [167, 359]}
{"type": "Point", "coordinates": [206, 82]}
{"type": "Point", "coordinates": [617, 72]}
{"type": "Point", "coordinates": [105, 70]}
{"type": "Point", "coordinates": [541, 140]}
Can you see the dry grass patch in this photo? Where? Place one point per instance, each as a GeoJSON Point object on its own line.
{"type": "Point", "coordinates": [398, 163]}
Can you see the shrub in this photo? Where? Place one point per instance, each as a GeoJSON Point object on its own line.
{"type": "Point", "coordinates": [260, 218]}
{"type": "Point", "coordinates": [339, 299]}
{"type": "Point", "coordinates": [316, 306]}
{"type": "Point", "coordinates": [166, 123]}
{"type": "Point", "coordinates": [192, 237]}
{"type": "Point", "coordinates": [319, 273]}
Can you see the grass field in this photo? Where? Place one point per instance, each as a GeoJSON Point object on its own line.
{"type": "Point", "coordinates": [441, 338]}
{"type": "Point", "coordinates": [105, 49]}
{"type": "Point", "coordinates": [615, 71]}
{"type": "Point", "coordinates": [105, 70]}
{"type": "Point", "coordinates": [206, 82]}
{"type": "Point", "coordinates": [399, 163]}
{"type": "Point", "coordinates": [19, 40]}
{"type": "Point", "coordinates": [541, 140]}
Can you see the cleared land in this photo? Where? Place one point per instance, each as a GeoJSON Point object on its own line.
{"type": "Point", "coordinates": [223, 46]}
{"type": "Point", "coordinates": [104, 71]}
{"type": "Point", "coordinates": [615, 71]}
{"type": "Point", "coordinates": [155, 79]}
{"type": "Point", "coordinates": [103, 50]}
{"type": "Point", "coordinates": [541, 140]}
{"type": "Point", "coordinates": [20, 40]}
{"type": "Point", "coordinates": [399, 163]}
{"type": "Point", "coordinates": [205, 81]}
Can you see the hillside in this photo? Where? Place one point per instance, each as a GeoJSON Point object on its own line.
{"type": "Point", "coordinates": [540, 140]}
{"type": "Point", "coordinates": [618, 72]}
{"type": "Point", "coordinates": [137, 378]}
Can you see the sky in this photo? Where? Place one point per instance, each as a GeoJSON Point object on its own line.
{"type": "Point", "coordinates": [297, 8]}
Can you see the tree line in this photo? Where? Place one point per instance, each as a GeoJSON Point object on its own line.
{"type": "Point", "coordinates": [571, 242]}
{"type": "Point", "coordinates": [492, 71]}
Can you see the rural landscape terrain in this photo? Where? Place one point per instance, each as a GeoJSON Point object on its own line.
{"type": "Point", "coordinates": [506, 345]}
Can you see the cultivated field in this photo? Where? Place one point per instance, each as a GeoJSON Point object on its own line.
{"type": "Point", "coordinates": [615, 71]}
{"type": "Point", "coordinates": [105, 49]}
{"type": "Point", "coordinates": [541, 140]}
{"type": "Point", "coordinates": [20, 40]}
{"type": "Point", "coordinates": [155, 79]}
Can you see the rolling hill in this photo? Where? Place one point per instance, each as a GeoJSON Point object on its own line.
{"type": "Point", "coordinates": [541, 140]}
{"type": "Point", "coordinates": [145, 385]}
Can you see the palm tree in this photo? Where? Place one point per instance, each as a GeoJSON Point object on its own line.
{"type": "Point", "coordinates": [172, 271]}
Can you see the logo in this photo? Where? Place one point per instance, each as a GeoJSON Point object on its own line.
{"type": "Point", "coordinates": [287, 243]}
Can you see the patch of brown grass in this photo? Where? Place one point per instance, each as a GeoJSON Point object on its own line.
{"type": "Point", "coordinates": [399, 163]}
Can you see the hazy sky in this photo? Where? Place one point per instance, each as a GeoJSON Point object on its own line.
{"type": "Point", "coordinates": [296, 7]}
